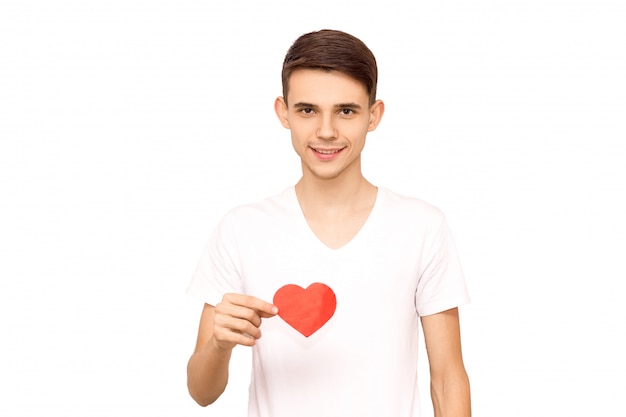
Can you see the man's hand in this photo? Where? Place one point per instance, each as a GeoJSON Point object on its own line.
{"type": "Point", "coordinates": [234, 321]}
{"type": "Point", "coordinates": [237, 320]}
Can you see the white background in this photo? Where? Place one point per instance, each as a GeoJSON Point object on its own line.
{"type": "Point", "coordinates": [128, 128]}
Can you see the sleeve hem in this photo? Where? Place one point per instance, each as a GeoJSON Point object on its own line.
{"type": "Point", "coordinates": [443, 306]}
{"type": "Point", "coordinates": [201, 295]}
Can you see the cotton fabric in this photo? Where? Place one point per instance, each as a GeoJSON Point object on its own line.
{"type": "Point", "coordinates": [401, 265]}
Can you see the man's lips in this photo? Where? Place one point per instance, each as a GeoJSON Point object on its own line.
{"type": "Point", "coordinates": [326, 154]}
{"type": "Point", "coordinates": [327, 151]}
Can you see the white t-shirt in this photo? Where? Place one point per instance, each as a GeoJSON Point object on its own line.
{"type": "Point", "coordinates": [362, 362]}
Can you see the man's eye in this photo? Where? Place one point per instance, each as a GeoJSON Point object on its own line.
{"type": "Point", "coordinates": [307, 110]}
{"type": "Point", "coordinates": [347, 112]}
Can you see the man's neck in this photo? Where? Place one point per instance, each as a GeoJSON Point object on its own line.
{"type": "Point", "coordinates": [334, 195]}
{"type": "Point", "coordinates": [336, 209]}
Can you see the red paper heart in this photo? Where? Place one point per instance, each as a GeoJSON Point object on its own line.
{"type": "Point", "coordinates": [306, 310]}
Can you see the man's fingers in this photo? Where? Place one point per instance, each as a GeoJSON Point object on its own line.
{"type": "Point", "coordinates": [268, 315]}
{"type": "Point", "coordinates": [227, 339]}
{"type": "Point", "coordinates": [263, 308]}
{"type": "Point", "coordinates": [225, 325]}
{"type": "Point", "coordinates": [238, 318]}
{"type": "Point", "coordinates": [238, 312]}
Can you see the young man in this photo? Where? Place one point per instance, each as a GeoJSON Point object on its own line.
{"type": "Point", "coordinates": [335, 272]}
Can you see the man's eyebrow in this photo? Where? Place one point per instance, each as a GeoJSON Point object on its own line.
{"type": "Point", "coordinates": [353, 106]}
{"type": "Point", "coordinates": [302, 105]}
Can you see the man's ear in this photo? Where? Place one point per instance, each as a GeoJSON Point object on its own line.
{"type": "Point", "coordinates": [376, 114]}
{"type": "Point", "coordinates": [280, 107]}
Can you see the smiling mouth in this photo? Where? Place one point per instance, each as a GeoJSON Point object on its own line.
{"type": "Point", "coordinates": [327, 151]}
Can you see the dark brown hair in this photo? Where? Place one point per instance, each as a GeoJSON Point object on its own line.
{"type": "Point", "coordinates": [332, 50]}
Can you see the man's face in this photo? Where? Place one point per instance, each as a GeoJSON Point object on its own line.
{"type": "Point", "coordinates": [329, 116]}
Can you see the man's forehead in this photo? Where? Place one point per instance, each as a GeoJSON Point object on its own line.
{"type": "Point", "coordinates": [318, 87]}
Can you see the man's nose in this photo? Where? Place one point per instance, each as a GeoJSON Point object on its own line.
{"type": "Point", "coordinates": [327, 130]}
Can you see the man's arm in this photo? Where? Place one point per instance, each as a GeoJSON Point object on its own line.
{"type": "Point", "coordinates": [234, 321]}
{"type": "Point", "coordinates": [449, 383]}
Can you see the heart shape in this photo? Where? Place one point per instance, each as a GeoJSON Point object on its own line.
{"type": "Point", "coordinates": [306, 310]}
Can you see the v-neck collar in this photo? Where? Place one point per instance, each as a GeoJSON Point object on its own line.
{"type": "Point", "coordinates": [304, 224]}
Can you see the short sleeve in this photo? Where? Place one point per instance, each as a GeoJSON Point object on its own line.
{"type": "Point", "coordinates": [441, 284]}
{"type": "Point", "coordinates": [218, 271]}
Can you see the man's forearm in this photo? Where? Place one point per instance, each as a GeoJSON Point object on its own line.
{"type": "Point", "coordinates": [207, 374]}
{"type": "Point", "coordinates": [451, 398]}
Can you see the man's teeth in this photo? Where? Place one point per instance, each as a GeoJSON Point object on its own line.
{"type": "Point", "coordinates": [327, 152]}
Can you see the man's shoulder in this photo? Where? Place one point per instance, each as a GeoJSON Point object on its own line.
{"type": "Point", "coordinates": [276, 205]}
{"type": "Point", "coordinates": [412, 207]}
